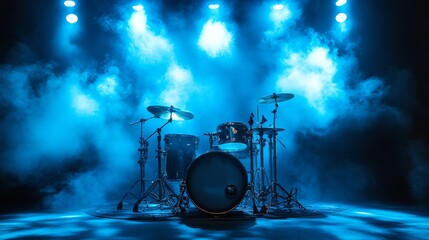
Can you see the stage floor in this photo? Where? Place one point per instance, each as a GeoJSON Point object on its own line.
{"type": "Point", "coordinates": [318, 221]}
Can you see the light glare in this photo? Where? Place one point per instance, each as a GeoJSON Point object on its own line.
{"type": "Point", "coordinates": [213, 6]}
{"type": "Point", "coordinates": [215, 39]}
{"type": "Point", "coordinates": [279, 17]}
{"type": "Point", "coordinates": [278, 7]}
{"type": "Point", "coordinates": [340, 2]}
{"type": "Point", "coordinates": [341, 17]}
{"type": "Point", "coordinates": [107, 87]}
{"type": "Point", "coordinates": [149, 46]}
{"type": "Point", "coordinates": [138, 22]}
{"type": "Point", "coordinates": [138, 7]}
{"type": "Point", "coordinates": [72, 18]}
{"type": "Point", "coordinates": [84, 105]}
{"type": "Point", "coordinates": [69, 3]}
{"type": "Point", "coordinates": [311, 76]}
{"type": "Point", "coordinates": [180, 83]}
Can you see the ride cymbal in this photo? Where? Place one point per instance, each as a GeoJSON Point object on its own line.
{"type": "Point", "coordinates": [276, 97]}
{"type": "Point", "coordinates": [268, 131]}
{"type": "Point", "coordinates": [170, 112]}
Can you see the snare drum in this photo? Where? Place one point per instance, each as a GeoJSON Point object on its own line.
{"type": "Point", "coordinates": [181, 150]}
{"type": "Point", "coordinates": [232, 136]}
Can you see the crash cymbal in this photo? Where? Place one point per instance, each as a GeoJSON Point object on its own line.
{"type": "Point", "coordinates": [268, 131]}
{"type": "Point", "coordinates": [165, 113]}
{"type": "Point", "coordinates": [280, 97]}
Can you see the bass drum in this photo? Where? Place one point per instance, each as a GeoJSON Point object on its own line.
{"type": "Point", "coordinates": [216, 182]}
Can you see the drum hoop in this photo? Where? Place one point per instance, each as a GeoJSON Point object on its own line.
{"type": "Point", "coordinates": [180, 135]}
{"type": "Point", "coordinates": [194, 138]}
{"type": "Point", "coordinates": [231, 124]}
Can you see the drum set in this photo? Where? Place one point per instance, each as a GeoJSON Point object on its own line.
{"type": "Point", "coordinates": [215, 182]}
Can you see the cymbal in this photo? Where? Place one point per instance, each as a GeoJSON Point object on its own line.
{"type": "Point", "coordinates": [280, 97]}
{"type": "Point", "coordinates": [167, 112]}
{"type": "Point", "coordinates": [268, 131]}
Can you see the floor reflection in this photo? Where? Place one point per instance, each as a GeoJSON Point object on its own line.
{"type": "Point", "coordinates": [333, 221]}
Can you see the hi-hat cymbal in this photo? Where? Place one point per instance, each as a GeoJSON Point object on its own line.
{"type": "Point", "coordinates": [276, 97]}
{"type": "Point", "coordinates": [268, 131]}
{"type": "Point", "coordinates": [167, 112]}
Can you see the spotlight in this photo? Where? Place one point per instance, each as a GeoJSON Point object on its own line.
{"type": "Point", "coordinates": [138, 7]}
{"type": "Point", "coordinates": [72, 18]}
{"type": "Point", "coordinates": [341, 2]}
{"type": "Point", "coordinates": [341, 17]}
{"type": "Point", "coordinates": [278, 7]}
{"type": "Point", "coordinates": [215, 39]}
{"type": "Point", "coordinates": [213, 6]}
{"type": "Point", "coordinates": [69, 3]}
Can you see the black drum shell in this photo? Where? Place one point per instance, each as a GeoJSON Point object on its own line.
{"type": "Point", "coordinates": [232, 136]}
{"type": "Point", "coordinates": [181, 150]}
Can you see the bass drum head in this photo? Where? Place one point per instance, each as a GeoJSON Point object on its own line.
{"type": "Point", "coordinates": [216, 182]}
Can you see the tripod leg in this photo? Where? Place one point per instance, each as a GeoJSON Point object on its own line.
{"type": "Point", "coordinates": [254, 207]}
{"type": "Point", "coordinates": [121, 202]}
{"type": "Point", "coordinates": [169, 191]}
{"type": "Point", "coordinates": [291, 197]}
{"type": "Point", "coordinates": [251, 194]}
{"type": "Point", "coordinates": [149, 190]}
{"type": "Point", "coordinates": [181, 198]}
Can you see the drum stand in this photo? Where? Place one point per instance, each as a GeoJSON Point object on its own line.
{"type": "Point", "coordinates": [183, 202]}
{"type": "Point", "coordinates": [290, 197]}
{"type": "Point", "coordinates": [210, 139]}
{"type": "Point", "coordinates": [251, 186]}
{"type": "Point", "coordinates": [264, 191]}
{"type": "Point", "coordinates": [142, 161]}
{"type": "Point", "coordinates": [165, 192]}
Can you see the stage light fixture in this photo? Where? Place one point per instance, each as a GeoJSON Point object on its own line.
{"type": "Point", "coordinates": [72, 18]}
{"type": "Point", "coordinates": [138, 7]}
{"type": "Point", "coordinates": [214, 6]}
{"type": "Point", "coordinates": [341, 2]}
{"type": "Point", "coordinates": [69, 3]}
{"type": "Point", "coordinates": [341, 17]}
{"type": "Point", "coordinates": [278, 6]}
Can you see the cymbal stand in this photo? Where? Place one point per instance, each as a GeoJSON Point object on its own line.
{"type": "Point", "coordinates": [211, 139]}
{"type": "Point", "coordinates": [270, 156]}
{"type": "Point", "coordinates": [264, 191]}
{"type": "Point", "coordinates": [270, 143]}
{"type": "Point", "coordinates": [251, 185]}
{"type": "Point", "coordinates": [290, 198]}
{"type": "Point", "coordinates": [161, 181]}
{"type": "Point", "coordinates": [142, 161]}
